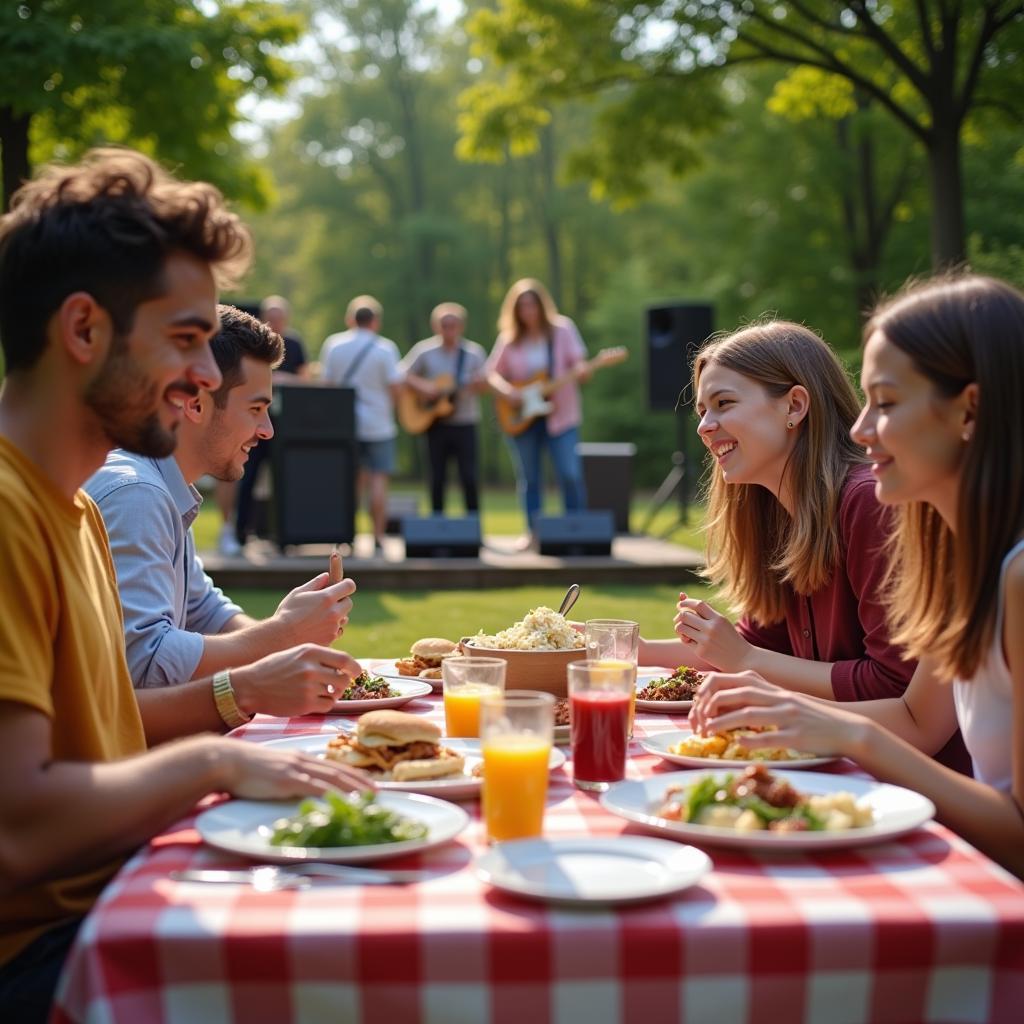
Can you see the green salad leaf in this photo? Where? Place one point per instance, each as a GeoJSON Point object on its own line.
{"type": "Point", "coordinates": [340, 820]}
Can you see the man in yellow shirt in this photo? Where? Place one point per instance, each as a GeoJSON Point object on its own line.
{"type": "Point", "coordinates": [108, 292]}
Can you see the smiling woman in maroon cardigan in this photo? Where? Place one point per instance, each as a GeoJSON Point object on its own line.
{"type": "Point", "coordinates": [795, 534]}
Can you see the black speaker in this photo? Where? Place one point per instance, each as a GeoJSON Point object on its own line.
{"type": "Point", "coordinates": [576, 533]}
{"type": "Point", "coordinates": [674, 333]}
{"type": "Point", "coordinates": [441, 537]}
{"type": "Point", "coordinates": [399, 508]}
{"type": "Point", "coordinates": [314, 462]}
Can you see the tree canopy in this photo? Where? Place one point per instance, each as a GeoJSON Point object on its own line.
{"type": "Point", "coordinates": [930, 66]}
{"type": "Point", "coordinates": [165, 76]}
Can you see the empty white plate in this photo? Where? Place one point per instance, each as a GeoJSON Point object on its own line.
{"type": "Point", "coordinates": [623, 869]}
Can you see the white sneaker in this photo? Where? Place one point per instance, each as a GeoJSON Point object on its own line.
{"type": "Point", "coordinates": [228, 544]}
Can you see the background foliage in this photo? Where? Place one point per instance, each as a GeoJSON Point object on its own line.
{"type": "Point", "coordinates": [422, 158]}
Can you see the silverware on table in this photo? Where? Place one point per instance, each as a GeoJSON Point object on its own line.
{"type": "Point", "coordinates": [271, 877]}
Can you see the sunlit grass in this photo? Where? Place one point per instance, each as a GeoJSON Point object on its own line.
{"type": "Point", "coordinates": [385, 623]}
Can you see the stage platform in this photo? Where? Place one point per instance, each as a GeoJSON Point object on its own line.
{"type": "Point", "coordinates": [635, 559]}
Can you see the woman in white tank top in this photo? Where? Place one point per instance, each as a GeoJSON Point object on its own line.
{"type": "Point", "coordinates": [943, 422]}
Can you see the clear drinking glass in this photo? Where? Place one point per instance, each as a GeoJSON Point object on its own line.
{"type": "Point", "coordinates": [599, 703]}
{"type": "Point", "coordinates": [516, 731]}
{"type": "Point", "coordinates": [615, 641]}
{"type": "Point", "coordinates": [465, 681]}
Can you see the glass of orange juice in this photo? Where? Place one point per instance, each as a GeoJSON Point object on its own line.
{"type": "Point", "coordinates": [614, 641]}
{"type": "Point", "coordinates": [516, 730]}
{"type": "Point", "coordinates": [465, 681]}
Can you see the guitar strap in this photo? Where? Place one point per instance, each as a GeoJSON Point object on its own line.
{"type": "Point", "coordinates": [460, 362]}
{"type": "Point", "coordinates": [357, 362]}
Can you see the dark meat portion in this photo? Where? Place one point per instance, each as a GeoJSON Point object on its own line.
{"type": "Point", "coordinates": [562, 711]}
{"type": "Point", "coordinates": [758, 781]}
{"type": "Point", "coordinates": [683, 684]}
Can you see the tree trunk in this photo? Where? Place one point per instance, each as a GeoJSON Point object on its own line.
{"type": "Point", "coordinates": [13, 152]}
{"type": "Point", "coordinates": [550, 224]}
{"type": "Point", "coordinates": [949, 245]}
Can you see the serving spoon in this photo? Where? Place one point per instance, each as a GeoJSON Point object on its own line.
{"type": "Point", "coordinates": [570, 599]}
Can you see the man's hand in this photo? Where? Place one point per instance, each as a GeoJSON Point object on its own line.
{"type": "Point", "coordinates": [255, 772]}
{"type": "Point", "coordinates": [316, 612]}
{"type": "Point", "coordinates": [304, 680]}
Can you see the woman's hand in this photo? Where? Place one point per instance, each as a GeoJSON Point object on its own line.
{"type": "Point", "coordinates": [712, 636]}
{"type": "Point", "coordinates": [745, 700]}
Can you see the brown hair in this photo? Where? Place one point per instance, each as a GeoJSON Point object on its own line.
{"type": "Point", "coordinates": [241, 335]}
{"type": "Point", "coordinates": [753, 545]}
{"type": "Point", "coordinates": [104, 226]}
{"type": "Point", "coordinates": [509, 324]}
{"type": "Point", "coordinates": [943, 593]}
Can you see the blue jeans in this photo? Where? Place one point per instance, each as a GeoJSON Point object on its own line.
{"type": "Point", "coordinates": [527, 448]}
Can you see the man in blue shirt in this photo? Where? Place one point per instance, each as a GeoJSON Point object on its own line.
{"type": "Point", "coordinates": [178, 625]}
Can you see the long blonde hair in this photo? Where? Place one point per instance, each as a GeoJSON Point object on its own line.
{"type": "Point", "coordinates": [943, 594]}
{"type": "Point", "coordinates": [509, 325]}
{"type": "Point", "coordinates": [753, 545]}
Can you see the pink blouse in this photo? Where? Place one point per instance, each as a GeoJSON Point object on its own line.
{"type": "Point", "coordinates": [519, 361]}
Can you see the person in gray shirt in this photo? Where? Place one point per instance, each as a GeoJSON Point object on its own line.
{"type": "Point", "coordinates": [449, 366]}
{"type": "Point", "coordinates": [178, 625]}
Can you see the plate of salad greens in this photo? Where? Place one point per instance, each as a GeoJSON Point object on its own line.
{"type": "Point", "coordinates": [344, 828]}
{"type": "Point", "coordinates": [369, 692]}
{"type": "Point", "coordinates": [760, 810]}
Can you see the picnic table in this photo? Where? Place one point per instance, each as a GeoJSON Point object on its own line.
{"type": "Point", "coordinates": [921, 928]}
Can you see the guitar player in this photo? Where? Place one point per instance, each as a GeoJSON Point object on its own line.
{"type": "Point", "coordinates": [535, 340]}
{"type": "Point", "coordinates": [458, 364]}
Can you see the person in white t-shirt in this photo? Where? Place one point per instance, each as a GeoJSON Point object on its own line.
{"type": "Point", "coordinates": [360, 358]}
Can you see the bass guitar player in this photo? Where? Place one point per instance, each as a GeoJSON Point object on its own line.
{"type": "Point", "coordinates": [444, 374]}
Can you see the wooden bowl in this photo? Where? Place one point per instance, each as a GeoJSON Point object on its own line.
{"type": "Point", "coordinates": [530, 670]}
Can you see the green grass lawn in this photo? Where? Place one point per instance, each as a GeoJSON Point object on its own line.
{"type": "Point", "coordinates": [501, 516]}
{"type": "Point", "coordinates": [384, 625]}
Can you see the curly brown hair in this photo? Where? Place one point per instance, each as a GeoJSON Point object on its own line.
{"type": "Point", "coordinates": [105, 226]}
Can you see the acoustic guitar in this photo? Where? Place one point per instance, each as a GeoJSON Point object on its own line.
{"type": "Point", "coordinates": [514, 419]}
{"type": "Point", "coordinates": [418, 414]}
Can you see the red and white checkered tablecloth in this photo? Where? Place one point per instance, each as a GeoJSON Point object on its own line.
{"type": "Point", "coordinates": [924, 928]}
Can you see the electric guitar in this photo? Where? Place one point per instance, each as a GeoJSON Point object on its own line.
{"type": "Point", "coordinates": [418, 414]}
{"type": "Point", "coordinates": [515, 418]}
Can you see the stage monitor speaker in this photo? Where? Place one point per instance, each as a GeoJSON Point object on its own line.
{"type": "Point", "coordinates": [314, 465]}
{"type": "Point", "coordinates": [576, 533]}
{"type": "Point", "coordinates": [399, 508]}
{"type": "Point", "coordinates": [441, 537]}
{"type": "Point", "coordinates": [674, 333]}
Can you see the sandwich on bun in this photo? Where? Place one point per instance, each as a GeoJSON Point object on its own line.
{"type": "Point", "coordinates": [426, 654]}
{"type": "Point", "coordinates": [397, 746]}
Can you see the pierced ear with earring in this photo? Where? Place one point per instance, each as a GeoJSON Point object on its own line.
{"type": "Point", "coordinates": [789, 424]}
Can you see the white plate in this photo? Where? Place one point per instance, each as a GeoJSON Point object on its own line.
{"type": "Point", "coordinates": [386, 667]}
{"type": "Point", "coordinates": [408, 689]}
{"type": "Point", "coordinates": [456, 787]}
{"type": "Point", "coordinates": [243, 826]}
{"type": "Point", "coordinates": [664, 707]}
{"type": "Point", "coordinates": [896, 810]}
{"type": "Point", "coordinates": [659, 745]}
{"type": "Point", "coordinates": [625, 869]}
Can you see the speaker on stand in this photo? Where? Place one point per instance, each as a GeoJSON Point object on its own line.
{"type": "Point", "coordinates": [675, 332]}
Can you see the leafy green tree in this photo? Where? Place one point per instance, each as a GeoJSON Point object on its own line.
{"type": "Point", "coordinates": [930, 65]}
{"type": "Point", "coordinates": [165, 76]}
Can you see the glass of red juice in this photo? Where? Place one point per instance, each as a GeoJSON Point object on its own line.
{"type": "Point", "coordinates": [600, 694]}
